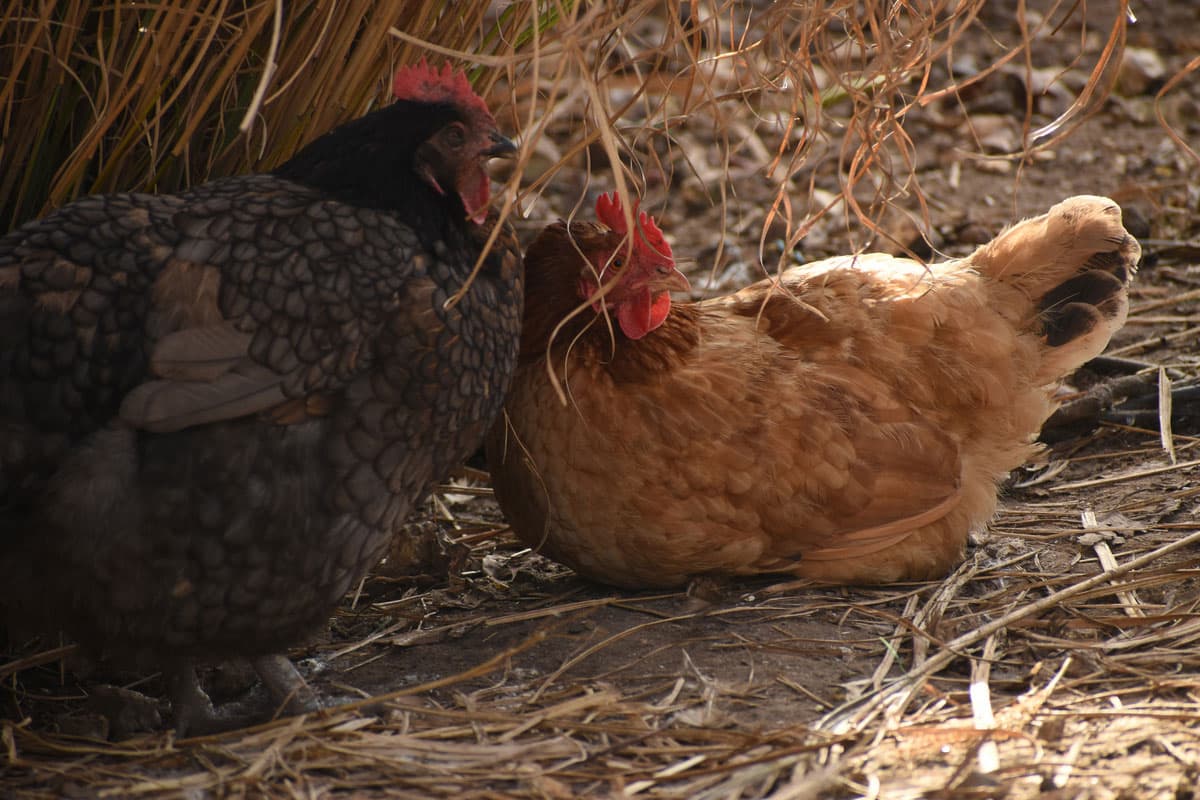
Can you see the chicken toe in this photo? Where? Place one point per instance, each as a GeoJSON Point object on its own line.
{"type": "Point", "coordinates": [287, 687]}
{"type": "Point", "coordinates": [126, 712]}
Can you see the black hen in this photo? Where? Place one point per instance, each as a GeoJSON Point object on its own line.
{"type": "Point", "coordinates": [217, 405]}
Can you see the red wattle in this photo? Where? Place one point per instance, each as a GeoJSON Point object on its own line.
{"type": "Point", "coordinates": [642, 313]}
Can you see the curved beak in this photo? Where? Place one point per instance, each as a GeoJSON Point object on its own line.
{"type": "Point", "coordinates": [501, 146]}
{"type": "Point", "coordinates": [673, 281]}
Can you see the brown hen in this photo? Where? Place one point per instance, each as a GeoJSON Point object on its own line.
{"type": "Point", "coordinates": [216, 406]}
{"type": "Point", "coordinates": [848, 422]}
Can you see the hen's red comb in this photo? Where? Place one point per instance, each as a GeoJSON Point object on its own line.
{"type": "Point", "coordinates": [425, 84]}
{"type": "Point", "coordinates": [650, 242]}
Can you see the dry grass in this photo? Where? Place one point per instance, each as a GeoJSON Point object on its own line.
{"type": "Point", "coordinates": [1032, 668]}
{"type": "Point", "coordinates": [1052, 674]}
{"type": "Point", "coordinates": [155, 95]}
{"type": "Point", "coordinates": [794, 93]}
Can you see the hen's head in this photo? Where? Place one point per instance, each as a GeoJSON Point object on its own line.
{"type": "Point", "coordinates": [631, 275]}
{"type": "Point", "coordinates": [432, 144]}
{"type": "Point", "coordinates": [455, 156]}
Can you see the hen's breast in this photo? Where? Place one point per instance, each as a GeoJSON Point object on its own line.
{"type": "Point", "coordinates": [441, 364]}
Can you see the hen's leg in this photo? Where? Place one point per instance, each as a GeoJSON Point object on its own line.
{"type": "Point", "coordinates": [193, 710]}
{"type": "Point", "coordinates": [287, 687]}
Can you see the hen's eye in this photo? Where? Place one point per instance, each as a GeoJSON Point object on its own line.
{"type": "Point", "coordinates": [618, 262]}
{"type": "Point", "coordinates": [455, 136]}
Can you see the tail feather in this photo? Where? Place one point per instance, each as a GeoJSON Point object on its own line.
{"type": "Point", "coordinates": [1069, 310]}
{"type": "Point", "coordinates": [1080, 233]}
{"type": "Point", "coordinates": [1070, 270]}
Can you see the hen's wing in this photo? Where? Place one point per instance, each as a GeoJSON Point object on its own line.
{"type": "Point", "coordinates": [814, 456]}
{"type": "Point", "coordinates": [243, 296]}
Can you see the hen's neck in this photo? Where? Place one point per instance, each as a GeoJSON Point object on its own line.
{"type": "Point", "coordinates": [551, 292]}
{"type": "Point", "coordinates": [368, 163]}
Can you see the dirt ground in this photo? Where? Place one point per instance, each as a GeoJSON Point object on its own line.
{"type": "Point", "coordinates": [492, 672]}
